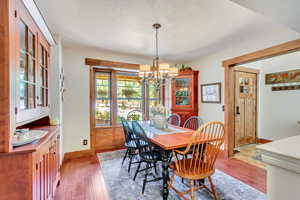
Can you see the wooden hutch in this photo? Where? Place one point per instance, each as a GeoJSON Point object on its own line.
{"type": "Point", "coordinates": [30, 171]}
{"type": "Point", "coordinates": [185, 94]}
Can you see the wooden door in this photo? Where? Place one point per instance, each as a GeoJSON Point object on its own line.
{"type": "Point", "coordinates": [245, 108]}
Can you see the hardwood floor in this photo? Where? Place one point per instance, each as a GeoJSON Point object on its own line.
{"type": "Point", "coordinates": [82, 178]}
{"type": "Point", "coordinates": [247, 173]}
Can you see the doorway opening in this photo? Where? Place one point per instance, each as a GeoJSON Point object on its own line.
{"type": "Point", "coordinates": [229, 93]}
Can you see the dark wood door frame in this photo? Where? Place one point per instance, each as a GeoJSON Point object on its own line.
{"type": "Point", "coordinates": [228, 65]}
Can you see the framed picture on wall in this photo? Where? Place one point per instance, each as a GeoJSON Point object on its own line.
{"type": "Point", "coordinates": [211, 93]}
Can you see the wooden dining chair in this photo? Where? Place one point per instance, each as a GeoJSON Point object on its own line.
{"type": "Point", "coordinates": [205, 146]}
{"type": "Point", "coordinates": [174, 119]}
{"type": "Point", "coordinates": [193, 122]}
{"type": "Point", "coordinates": [130, 144]}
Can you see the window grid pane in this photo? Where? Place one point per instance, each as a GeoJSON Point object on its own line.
{"type": "Point", "coordinates": [129, 94]}
{"type": "Point", "coordinates": [103, 99]}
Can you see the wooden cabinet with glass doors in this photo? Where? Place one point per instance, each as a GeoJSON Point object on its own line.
{"type": "Point", "coordinates": [185, 94]}
{"type": "Point", "coordinates": [30, 171]}
{"type": "Point", "coordinates": [32, 99]}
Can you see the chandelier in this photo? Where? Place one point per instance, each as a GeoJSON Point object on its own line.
{"type": "Point", "coordinates": [158, 72]}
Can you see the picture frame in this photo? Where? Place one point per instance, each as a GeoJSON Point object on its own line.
{"type": "Point", "coordinates": [291, 76]}
{"type": "Point", "coordinates": [211, 93]}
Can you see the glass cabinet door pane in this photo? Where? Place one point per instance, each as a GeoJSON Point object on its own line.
{"type": "Point", "coordinates": [23, 67]}
{"type": "Point", "coordinates": [38, 95]}
{"type": "Point", "coordinates": [23, 95]}
{"type": "Point", "coordinates": [31, 43]}
{"type": "Point", "coordinates": [182, 91]}
{"type": "Point", "coordinates": [22, 32]}
{"type": "Point", "coordinates": [31, 96]}
{"type": "Point", "coordinates": [31, 70]}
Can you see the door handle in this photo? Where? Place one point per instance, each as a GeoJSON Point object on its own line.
{"type": "Point", "coordinates": [238, 110]}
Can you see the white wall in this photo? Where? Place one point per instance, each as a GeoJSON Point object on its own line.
{"type": "Point", "coordinates": [54, 87]}
{"type": "Point", "coordinates": [211, 69]}
{"type": "Point", "coordinates": [76, 112]}
{"type": "Point", "coordinates": [279, 111]}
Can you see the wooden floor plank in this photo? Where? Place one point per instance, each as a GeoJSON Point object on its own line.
{"type": "Point", "coordinates": [82, 178]}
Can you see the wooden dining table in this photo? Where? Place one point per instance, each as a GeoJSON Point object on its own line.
{"type": "Point", "coordinates": [166, 143]}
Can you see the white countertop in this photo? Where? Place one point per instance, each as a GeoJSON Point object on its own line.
{"type": "Point", "coordinates": [288, 147]}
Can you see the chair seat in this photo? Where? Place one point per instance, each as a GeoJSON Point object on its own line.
{"type": "Point", "coordinates": [189, 171]}
{"type": "Point", "coordinates": [153, 156]}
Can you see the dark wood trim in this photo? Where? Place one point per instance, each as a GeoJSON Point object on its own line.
{"type": "Point", "coordinates": [107, 63]}
{"type": "Point", "coordinates": [6, 35]}
{"type": "Point", "coordinates": [264, 53]}
{"type": "Point", "coordinates": [114, 98]}
{"type": "Point", "coordinates": [92, 108]}
{"type": "Point", "coordinates": [263, 141]}
{"type": "Point", "coordinates": [229, 83]}
{"type": "Point", "coordinates": [220, 92]}
{"type": "Point", "coordinates": [78, 154]}
{"type": "Point", "coordinates": [246, 69]}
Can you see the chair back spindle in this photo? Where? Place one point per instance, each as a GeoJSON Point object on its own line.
{"type": "Point", "coordinates": [174, 119]}
{"type": "Point", "coordinates": [135, 115]}
{"type": "Point", "coordinates": [205, 146]}
{"type": "Point", "coordinates": [129, 135]}
{"type": "Point", "coordinates": [145, 146]}
{"type": "Point", "coordinates": [193, 122]}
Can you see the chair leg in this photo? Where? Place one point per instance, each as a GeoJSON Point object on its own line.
{"type": "Point", "coordinates": [213, 188]}
{"type": "Point", "coordinates": [155, 168]}
{"type": "Point", "coordinates": [131, 156]}
{"type": "Point", "coordinates": [170, 159]}
{"type": "Point", "coordinates": [171, 180]}
{"type": "Point", "coordinates": [125, 156]}
{"type": "Point", "coordinates": [137, 170]}
{"type": "Point", "coordinates": [168, 175]}
{"type": "Point", "coordinates": [201, 182]}
{"type": "Point", "coordinates": [192, 190]}
{"type": "Point", "coordinates": [145, 179]}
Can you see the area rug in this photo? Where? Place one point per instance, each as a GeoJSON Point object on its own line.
{"type": "Point", "coordinates": [121, 186]}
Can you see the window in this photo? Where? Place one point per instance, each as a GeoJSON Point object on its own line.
{"type": "Point", "coordinates": [103, 98]}
{"type": "Point", "coordinates": [129, 94]}
{"type": "Point", "coordinates": [117, 93]}
{"type": "Point", "coordinates": [153, 95]}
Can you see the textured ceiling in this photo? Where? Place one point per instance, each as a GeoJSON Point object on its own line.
{"type": "Point", "coordinates": [283, 11]}
{"type": "Point", "coordinates": [190, 29]}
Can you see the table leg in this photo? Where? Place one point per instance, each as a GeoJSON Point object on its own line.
{"type": "Point", "coordinates": [165, 162]}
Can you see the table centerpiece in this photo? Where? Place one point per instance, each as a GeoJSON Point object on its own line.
{"type": "Point", "coordinates": [158, 117]}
